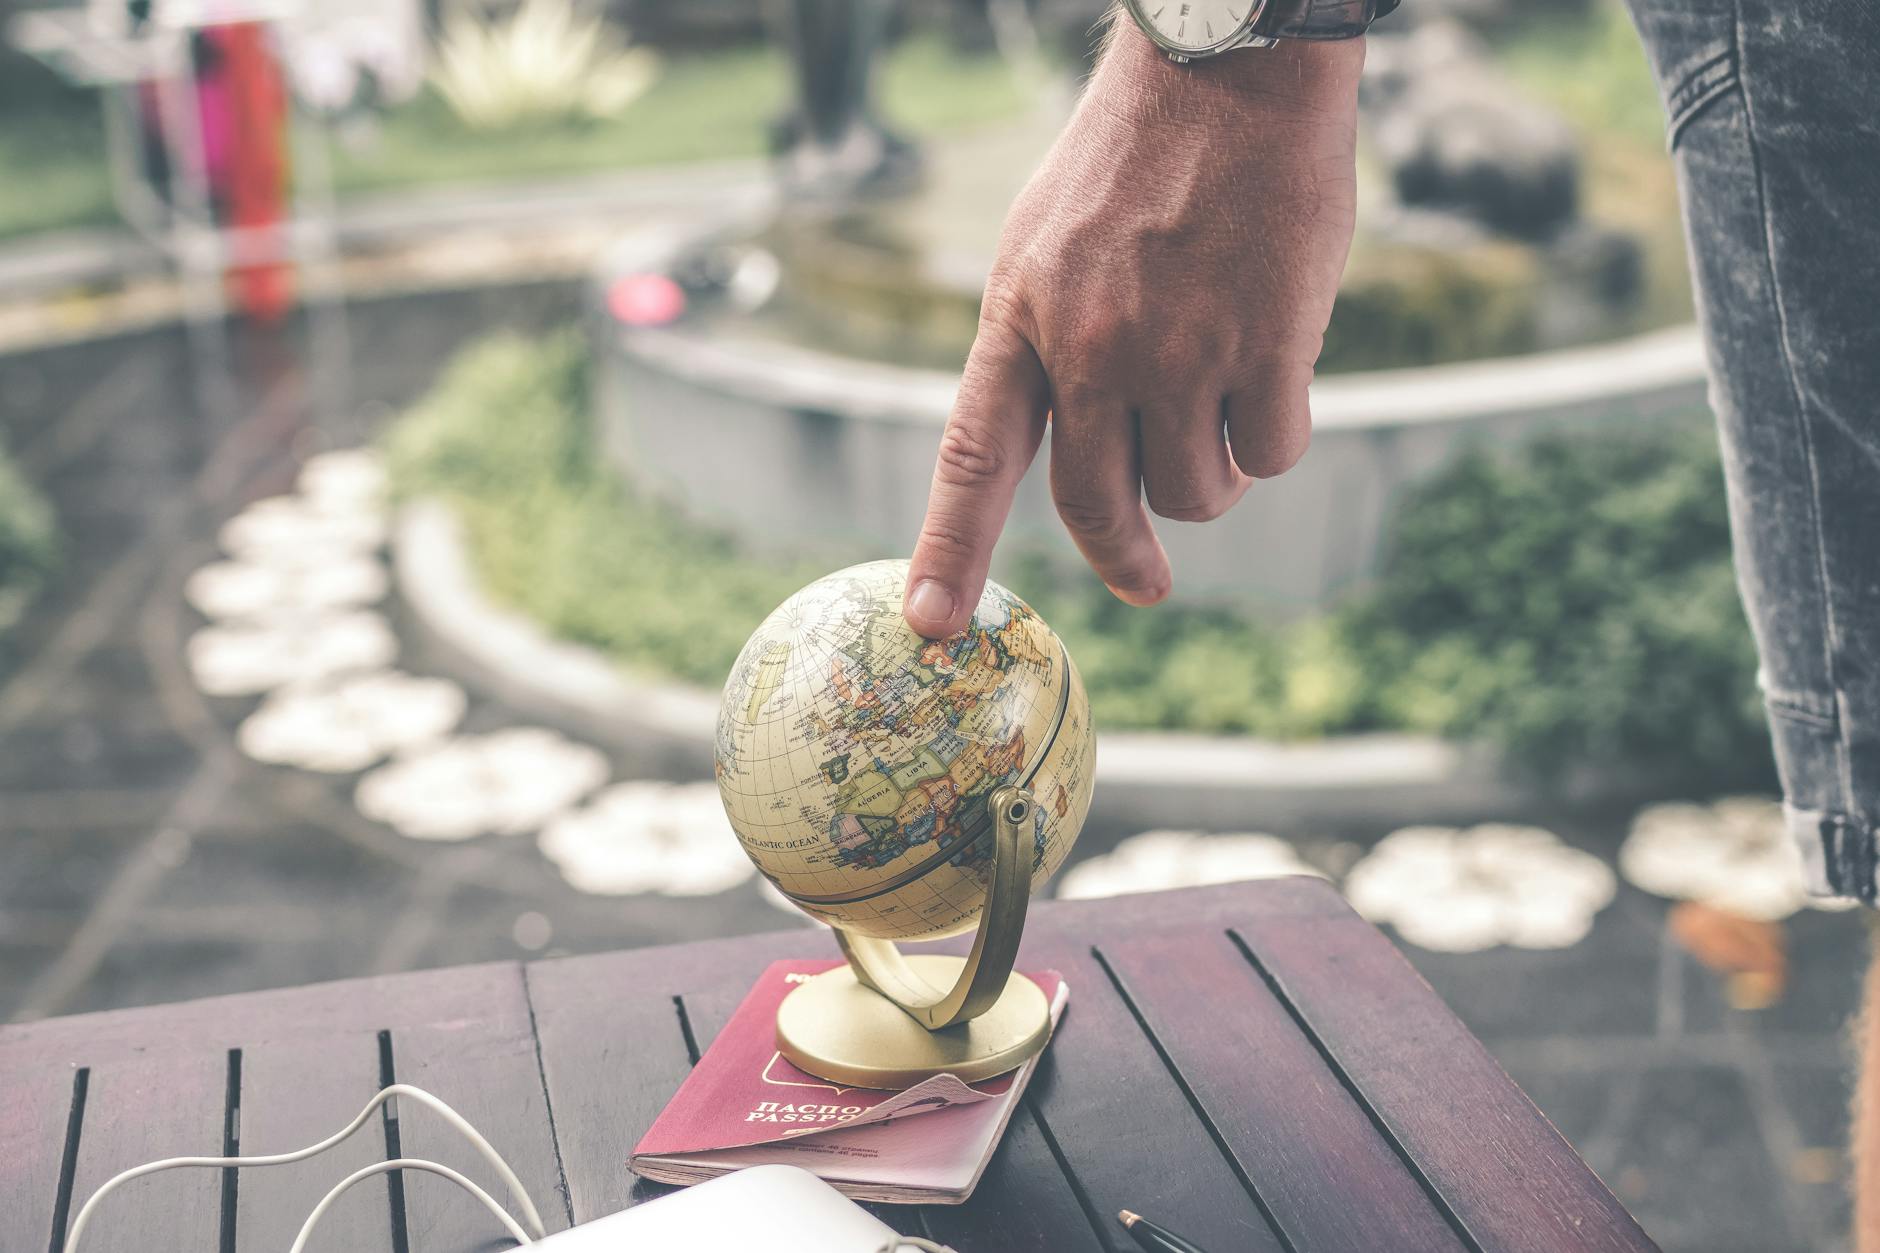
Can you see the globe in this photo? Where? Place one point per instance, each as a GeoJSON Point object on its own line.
{"type": "Point", "coordinates": [856, 759]}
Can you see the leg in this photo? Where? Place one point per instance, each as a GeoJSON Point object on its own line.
{"type": "Point", "coordinates": [1771, 106]}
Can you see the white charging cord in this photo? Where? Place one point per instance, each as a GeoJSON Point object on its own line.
{"type": "Point", "coordinates": [451, 1116]}
{"type": "Point", "coordinates": [408, 1163]}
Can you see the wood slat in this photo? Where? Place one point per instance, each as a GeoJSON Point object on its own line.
{"type": "Point", "coordinates": [1023, 1203]}
{"type": "Point", "coordinates": [1117, 1113]}
{"type": "Point", "coordinates": [35, 1111]}
{"type": "Point", "coordinates": [711, 997]}
{"type": "Point", "coordinates": [1291, 896]}
{"type": "Point", "coordinates": [39, 1058]}
{"type": "Point", "coordinates": [139, 1109]}
{"type": "Point", "coordinates": [1121, 1123]}
{"type": "Point", "coordinates": [1280, 1110]}
{"type": "Point", "coordinates": [480, 1060]}
{"type": "Point", "coordinates": [1510, 1179]}
{"type": "Point", "coordinates": [613, 1054]}
{"type": "Point", "coordinates": [298, 1091]}
{"type": "Point", "coordinates": [320, 1009]}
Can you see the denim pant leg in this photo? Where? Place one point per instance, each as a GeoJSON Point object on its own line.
{"type": "Point", "coordinates": [1774, 109]}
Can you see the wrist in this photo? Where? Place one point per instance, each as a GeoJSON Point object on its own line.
{"type": "Point", "coordinates": [1304, 77]}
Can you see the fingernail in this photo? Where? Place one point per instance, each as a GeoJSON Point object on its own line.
{"type": "Point", "coordinates": [1142, 599]}
{"type": "Point", "coordinates": [930, 602]}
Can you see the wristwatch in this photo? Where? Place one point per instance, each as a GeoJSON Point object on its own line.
{"type": "Point", "coordinates": [1188, 30]}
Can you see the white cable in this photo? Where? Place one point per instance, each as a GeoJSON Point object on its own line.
{"type": "Point", "coordinates": [449, 1115]}
{"type": "Point", "coordinates": [407, 1163]}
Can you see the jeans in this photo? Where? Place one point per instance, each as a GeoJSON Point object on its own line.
{"type": "Point", "coordinates": [1774, 122]}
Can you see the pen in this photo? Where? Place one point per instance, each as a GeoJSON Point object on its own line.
{"type": "Point", "coordinates": [1153, 1238]}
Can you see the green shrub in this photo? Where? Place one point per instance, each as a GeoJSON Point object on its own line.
{"type": "Point", "coordinates": [28, 549]}
{"type": "Point", "coordinates": [504, 437]}
{"type": "Point", "coordinates": [1572, 605]}
{"type": "Point", "coordinates": [1194, 669]}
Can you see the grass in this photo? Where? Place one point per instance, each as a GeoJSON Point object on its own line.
{"type": "Point", "coordinates": [53, 161]}
{"type": "Point", "coordinates": [704, 107]}
{"type": "Point", "coordinates": [1571, 606]}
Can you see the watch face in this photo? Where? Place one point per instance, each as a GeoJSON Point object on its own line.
{"type": "Point", "coordinates": [1195, 25]}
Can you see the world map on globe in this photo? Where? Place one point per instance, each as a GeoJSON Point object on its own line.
{"type": "Point", "coordinates": [856, 759]}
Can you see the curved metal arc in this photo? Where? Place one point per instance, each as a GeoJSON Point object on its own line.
{"type": "Point", "coordinates": [878, 964]}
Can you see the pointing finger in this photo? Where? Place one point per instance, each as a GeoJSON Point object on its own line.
{"type": "Point", "coordinates": [990, 438]}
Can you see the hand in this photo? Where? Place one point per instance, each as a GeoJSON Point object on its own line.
{"type": "Point", "coordinates": [1161, 290]}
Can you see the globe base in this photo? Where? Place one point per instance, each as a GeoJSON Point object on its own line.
{"type": "Point", "coordinates": [837, 1029]}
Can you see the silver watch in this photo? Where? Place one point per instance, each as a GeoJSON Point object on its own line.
{"type": "Point", "coordinates": [1188, 30]}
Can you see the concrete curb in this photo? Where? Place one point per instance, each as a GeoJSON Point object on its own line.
{"type": "Point", "coordinates": [659, 727]}
{"type": "Point", "coordinates": [1143, 779]}
{"type": "Point", "coordinates": [1659, 369]}
{"type": "Point", "coordinates": [48, 261]}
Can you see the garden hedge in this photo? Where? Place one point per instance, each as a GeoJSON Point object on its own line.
{"type": "Point", "coordinates": [1571, 605]}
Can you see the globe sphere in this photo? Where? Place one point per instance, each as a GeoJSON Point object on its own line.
{"type": "Point", "coordinates": [856, 759]}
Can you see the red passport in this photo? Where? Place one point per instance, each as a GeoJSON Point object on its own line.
{"type": "Point", "coordinates": [744, 1105]}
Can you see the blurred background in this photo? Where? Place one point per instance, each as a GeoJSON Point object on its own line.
{"type": "Point", "coordinates": [408, 409]}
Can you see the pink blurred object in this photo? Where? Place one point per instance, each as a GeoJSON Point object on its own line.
{"type": "Point", "coordinates": [645, 300]}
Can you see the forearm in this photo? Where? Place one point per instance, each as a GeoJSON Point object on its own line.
{"type": "Point", "coordinates": [1866, 1130]}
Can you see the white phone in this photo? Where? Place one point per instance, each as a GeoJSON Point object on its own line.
{"type": "Point", "coordinates": [763, 1209]}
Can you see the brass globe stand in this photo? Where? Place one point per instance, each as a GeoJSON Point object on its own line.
{"type": "Point", "coordinates": [887, 1020]}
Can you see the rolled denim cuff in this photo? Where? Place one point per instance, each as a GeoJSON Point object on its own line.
{"type": "Point", "coordinates": [1837, 854]}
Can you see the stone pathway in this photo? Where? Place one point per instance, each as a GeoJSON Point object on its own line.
{"type": "Point", "coordinates": [147, 855]}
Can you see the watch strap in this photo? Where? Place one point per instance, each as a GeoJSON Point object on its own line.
{"type": "Point", "coordinates": [1320, 19]}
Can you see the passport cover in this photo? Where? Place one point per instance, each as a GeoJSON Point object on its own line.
{"type": "Point", "coordinates": [744, 1104]}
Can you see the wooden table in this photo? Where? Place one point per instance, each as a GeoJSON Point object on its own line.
{"type": "Point", "coordinates": [1252, 1064]}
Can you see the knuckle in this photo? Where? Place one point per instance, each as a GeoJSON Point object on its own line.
{"type": "Point", "coordinates": [1089, 518]}
{"type": "Point", "coordinates": [1094, 340]}
{"type": "Point", "coordinates": [1002, 311]}
{"type": "Point", "coordinates": [1285, 369]}
{"type": "Point", "coordinates": [1077, 383]}
{"type": "Point", "coordinates": [969, 458]}
{"type": "Point", "coordinates": [1176, 361]}
{"type": "Point", "coordinates": [941, 538]}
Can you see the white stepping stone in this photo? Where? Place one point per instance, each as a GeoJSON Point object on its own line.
{"type": "Point", "coordinates": [353, 722]}
{"type": "Point", "coordinates": [1156, 860]}
{"type": "Point", "coordinates": [241, 590]}
{"type": "Point", "coordinates": [1734, 854]}
{"type": "Point", "coordinates": [244, 658]}
{"type": "Point", "coordinates": [1461, 891]}
{"type": "Point", "coordinates": [649, 837]}
{"type": "Point", "coordinates": [508, 782]}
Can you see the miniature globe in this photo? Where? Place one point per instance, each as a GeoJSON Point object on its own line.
{"type": "Point", "coordinates": [856, 760]}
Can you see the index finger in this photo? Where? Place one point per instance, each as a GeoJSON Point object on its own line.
{"type": "Point", "coordinates": [991, 436]}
